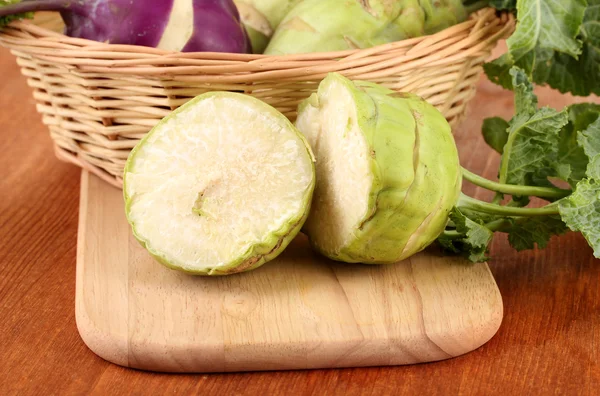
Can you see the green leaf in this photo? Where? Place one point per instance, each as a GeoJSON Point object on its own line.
{"type": "Point", "coordinates": [532, 146]}
{"type": "Point", "coordinates": [473, 240]}
{"type": "Point", "coordinates": [525, 99]}
{"type": "Point", "coordinates": [504, 4]}
{"type": "Point", "coordinates": [530, 153]}
{"type": "Point", "coordinates": [5, 20]}
{"type": "Point", "coordinates": [495, 133]}
{"type": "Point", "coordinates": [588, 137]}
{"type": "Point", "coordinates": [589, 140]}
{"type": "Point", "coordinates": [581, 212]}
{"type": "Point", "coordinates": [548, 24]}
{"type": "Point", "coordinates": [525, 233]}
{"type": "Point", "coordinates": [520, 201]}
{"type": "Point", "coordinates": [581, 75]}
{"type": "Point", "coordinates": [548, 30]}
{"type": "Point", "coordinates": [477, 217]}
{"type": "Point", "coordinates": [581, 115]}
{"type": "Point", "coordinates": [572, 161]}
{"type": "Point", "coordinates": [593, 169]}
{"type": "Point", "coordinates": [498, 70]}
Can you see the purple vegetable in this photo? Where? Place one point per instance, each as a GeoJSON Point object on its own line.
{"type": "Point", "coordinates": [179, 25]}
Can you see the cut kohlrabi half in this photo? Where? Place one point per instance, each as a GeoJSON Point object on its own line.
{"type": "Point", "coordinates": [387, 171]}
{"type": "Point", "coordinates": [220, 186]}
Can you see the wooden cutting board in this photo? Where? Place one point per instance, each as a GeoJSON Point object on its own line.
{"type": "Point", "coordinates": [299, 311]}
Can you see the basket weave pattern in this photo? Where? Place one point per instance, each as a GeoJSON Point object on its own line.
{"type": "Point", "coordinates": [98, 100]}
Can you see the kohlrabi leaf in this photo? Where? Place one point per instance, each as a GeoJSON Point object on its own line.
{"type": "Point", "coordinates": [504, 4]}
{"type": "Point", "coordinates": [548, 24]}
{"type": "Point", "coordinates": [495, 133]}
{"type": "Point", "coordinates": [545, 28]}
{"type": "Point", "coordinates": [581, 115]}
{"type": "Point", "coordinates": [581, 133]}
{"type": "Point", "coordinates": [5, 20]}
{"type": "Point", "coordinates": [532, 145]}
{"type": "Point", "coordinates": [589, 140]}
{"type": "Point", "coordinates": [581, 75]}
{"type": "Point", "coordinates": [525, 100]}
{"type": "Point", "coordinates": [526, 233]}
{"type": "Point", "coordinates": [472, 240]}
{"type": "Point", "coordinates": [531, 150]}
{"type": "Point", "coordinates": [498, 70]}
{"type": "Point", "coordinates": [593, 169]}
{"type": "Point", "coordinates": [581, 212]}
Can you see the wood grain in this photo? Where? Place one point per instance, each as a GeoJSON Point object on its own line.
{"type": "Point", "coordinates": [549, 341]}
{"type": "Point", "coordinates": [298, 311]}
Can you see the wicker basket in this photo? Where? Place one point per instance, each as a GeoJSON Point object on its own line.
{"type": "Point", "coordinates": [99, 99]}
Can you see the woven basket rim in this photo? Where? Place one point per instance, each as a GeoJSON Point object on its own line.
{"type": "Point", "coordinates": [487, 14]}
{"type": "Point", "coordinates": [99, 99]}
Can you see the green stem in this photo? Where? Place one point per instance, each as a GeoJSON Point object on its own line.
{"type": "Point", "coordinates": [476, 6]}
{"type": "Point", "coordinates": [452, 234]}
{"type": "Point", "coordinates": [495, 225]}
{"type": "Point", "coordinates": [515, 190]}
{"type": "Point", "coordinates": [497, 199]}
{"type": "Point", "coordinates": [479, 206]}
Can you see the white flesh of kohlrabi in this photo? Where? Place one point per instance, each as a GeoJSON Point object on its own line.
{"type": "Point", "coordinates": [215, 180]}
{"type": "Point", "coordinates": [342, 192]}
{"type": "Point", "coordinates": [180, 26]}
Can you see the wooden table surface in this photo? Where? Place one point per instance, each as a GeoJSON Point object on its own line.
{"type": "Point", "coordinates": [549, 341]}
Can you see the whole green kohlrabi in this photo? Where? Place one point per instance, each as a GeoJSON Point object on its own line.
{"type": "Point", "coordinates": [261, 18]}
{"type": "Point", "coordinates": [325, 25]}
{"type": "Point", "coordinates": [387, 168]}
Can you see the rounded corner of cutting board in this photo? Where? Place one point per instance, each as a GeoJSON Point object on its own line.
{"type": "Point", "coordinates": [496, 316]}
{"type": "Point", "coordinates": [426, 309]}
{"type": "Point", "coordinates": [105, 344]}
{"type": "Point", "coordinates": [458, 337]}
{"type": "Point", "coordinates": [488, 325]}
{"type": "Point", "coordinates": [109, 344]}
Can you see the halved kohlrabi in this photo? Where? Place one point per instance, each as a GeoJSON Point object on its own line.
{"type": "Point", "coordinates": [387, 171]}
{"type": "Point", "coordinates": [220, 186]}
